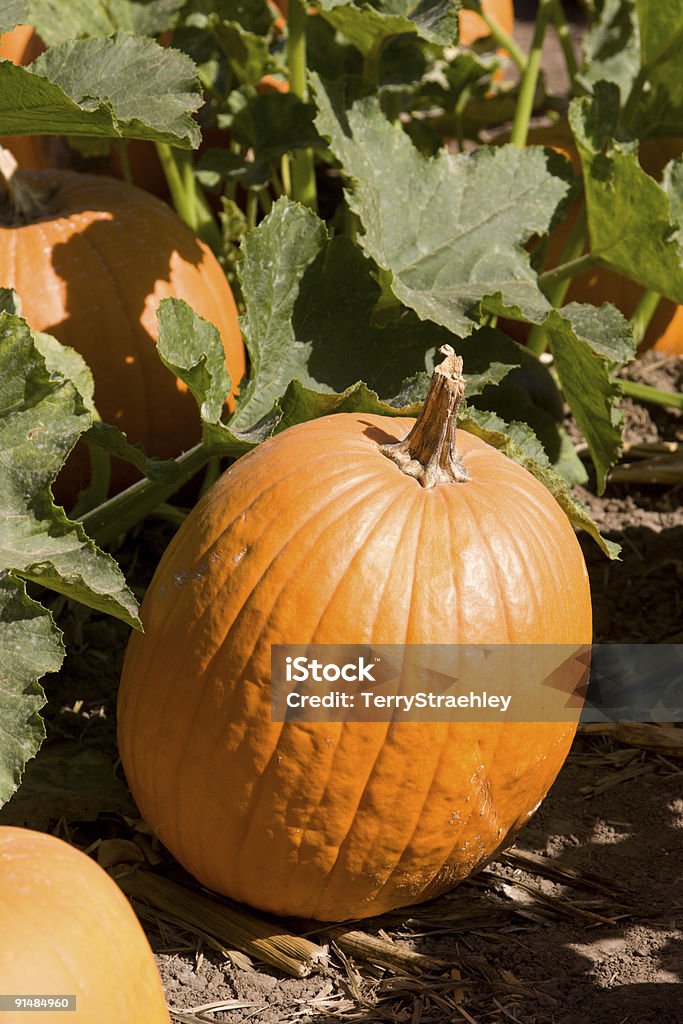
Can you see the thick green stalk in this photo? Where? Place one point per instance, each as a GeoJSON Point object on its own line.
{"type": "Point", "coordinates": [505, 41]}
{"type": "Point", "coordinates": [572, 268]}
{"type": "Point", "coordinates": [646, 393]}
{"type": "Point", "coordinates": [643, 313]}
{"type": "Point", "coordinates": [114, 517]}
{"type": "Point", "coordinates": [527, 89]}
{"type": "Point", "coordinates": [563, 34]}
{"type": "Point", "coordinates": [188, 199]}
{"type": "Point", "coordinates": [303, 170]}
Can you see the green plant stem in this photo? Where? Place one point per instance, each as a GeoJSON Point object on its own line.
{"type": "Point", "coordinates": [573, 268]}
{"type": "Point", "coordinates": [100, 477]}
{"type": "Point", "coordinates": [211, 474]}
{"type": "Point", "coordinates": [643, 313]}
{"type": "Point", "coordinates": [646, 393]}
{"type": "Point", "coordinates": [527, 89]}
{"type": "Point", "coordinates": [505, 41]}
{"type": "Point", "coordinates": [564, 36]}
{"type": "Point", "coordinates": [286, 173]}
{"type": "Point", "coordinates": [557, 291]}
{"type": "Point", "coordinates": [303, 171]}
{"type": "Point", "coordinates": [114, 517]}
{"type": "Point", "coordinates": [125, 162]}
{"type": "Point", "coordinates": [252, 209]}
{"type": "Point", "coordinates": [177, 179]}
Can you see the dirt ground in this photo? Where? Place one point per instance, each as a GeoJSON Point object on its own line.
{"type": "Point", "coordinates": [581, 923]}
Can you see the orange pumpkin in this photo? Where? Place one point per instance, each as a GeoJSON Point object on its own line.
{"type": "Point", "coordinates": [665, 331]}
{"type": "Point", "coordinates": [91, 270]}
{"type": "Point", "coordinates": [473, 27]}
{"type": "Point", "coordinates": [68, 930]}
{"type": "Point", "coordinates": [319, 537]}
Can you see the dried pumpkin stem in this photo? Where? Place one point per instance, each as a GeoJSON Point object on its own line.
{"type": "Point", "coordinates": [21, 202]}
{"type": "Point", "coordinates": [429, 453]}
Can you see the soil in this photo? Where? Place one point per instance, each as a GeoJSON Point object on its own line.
{"type": "Point", "coordinates": [517, 943]}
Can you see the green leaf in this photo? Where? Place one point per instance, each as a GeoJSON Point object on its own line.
{"type": "Point", "coordinates": [14, 12]}
{"type": "Point", "coordinates": [123, 87]}
{"type": "Point", "coordinates": [275, 123]}
{"type": "Point", "coordinates": [611, 47]}
{"type": "Point", "coordinates": [450, 229]}
{"type": "Point", "coordinates": [589, 344]}
{"type": "Point", "coordinates": [56, 21]}
{"type": "Point", "coordinates": [299, 404]}
{"type": "Point", "coordinates": [114, 441]}
{"type": "Point", "coordinates": [248, 53]}
{"type": "Point", "coordinates": [661, 43]}
{"type": "Point", "coordinates": [309, 307]}
{"type": "Point", "coordinates": [253, 15]}
{"type": "Point", "coordinates": [368, 26]}
{"type": "Point", "coordinates": [42, 416]}
{"type": "Point", "coordinates": [217, 166]}
{"type": "Point", "coordinates": [522, 446]}
{"type": "Point", "coordinates": [30, 646]}
{"type": "Point", "coordinates": [629, 216]}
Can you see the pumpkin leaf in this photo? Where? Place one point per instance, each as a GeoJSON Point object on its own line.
{"type": "Point", "coordinates": [520, 444]}
{"type": "Point", "coordinates": [56, 21]}
{"type": "Point", "coordinates": [369, 26]}
{"type": "Point", "coordinates": [248, 53]}
{"type": "Point", "coordinates": [14, 12]}
{"type": "Point", "coordinates": [123, 87]}
{"type": "Point", "coordinates": [589, 344]}
{"type": "Point", "coordinates": [450, 229]}
{"type": "Point", "coordinates": [309, 303]}
{"type": "Point", "coordinates": [299, 404]}
{"type": "Point", "coordinates": [611, 47]}
{"type": "Point", "coordinates": [30, 646]}
{"type": "Point", "coordinates": [274, 123]}
{"type": "Point", "coordinates": [114, 441]}
{"type": "Point", "coordinates": [630, 219]}
{"type": "Point", "coordinates": [42, 415]}
{"type": "Point", "coordinates": [661, 40]}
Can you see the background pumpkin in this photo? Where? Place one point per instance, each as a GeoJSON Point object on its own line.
{"type": "Point", "coordinates": [68, 929]}
{"type": "Point", "coordinates": [473, 27]}
{"type": "Point", "coordinates": [91, 271]}
{"type": "Point", "coordinates": [22, 46]}
{"type": "Point", "coordinates": [317, 537]}
{"type": "Point", "coordinates": [665, 331]}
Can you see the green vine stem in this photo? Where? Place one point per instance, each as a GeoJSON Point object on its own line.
{"type": "Point", "coordinates": [557, 291]}
{"type": "Point", "coordinates": [527, 89]}
{"type": "Point", "coordinates": [646, 393]}
{"type": "Point", "coordinates": [100, 477]}
{"type": "Point", "coordinates": [572, 268]}
{"type": "Point", "coordinates": [302, 166]}
{"type": "Point", "coordinates": [188, 200]}
{"type": "Point", "coordinates": [501, 37]}
{"type": "Point", "coordinates": [125, 162]}
{"type": "Point", "coordinates": [564, 36]}
{"type": "Point", "coordinates": [643, 313]}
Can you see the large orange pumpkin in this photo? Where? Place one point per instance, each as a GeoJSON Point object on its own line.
{"type": "Point", "coordinates": [67, 929]}
{"type": "Point", "coordinates": [319, 537]}
{"type": "Point", "coordinates": [91, 270]}
{"type": "Point", "coordinates": [665, 331]}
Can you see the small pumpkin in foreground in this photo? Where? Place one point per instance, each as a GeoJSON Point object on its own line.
{"type": "Point", "coordinates": [358, 529]}
{"type": "Point", "coordinates": [67, 929]}
{"type": "Point", "coordinates": [91, 258]}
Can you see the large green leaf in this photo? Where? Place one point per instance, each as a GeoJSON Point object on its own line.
{"type": "Point", "coordinates": [123, 87]}
{"type": "Point", "coordinates": [369, 25]}
{"type": "Point", "coordinates": [42, 416]}
{"type": "Point", "coordinates": [30, 646]}
{"type": "Point", "coordinates": [14, 12]}
{"type": "Point", "coordinates": [450, 229]}
{"type": "Point", "coordinates": [611, 47]}
{"type": "Point", "coordinates": [629, 215]}
{"type": "Point", "coordinates": [661, 45]}
{"type": "Point", "coordinates": [309, 304]}
{"type": "Point", "coordinates": [56, 21]}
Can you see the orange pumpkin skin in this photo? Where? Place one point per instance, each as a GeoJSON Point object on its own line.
{"type": "Point", "coordinates": [317, 537]}
{"type": "Point", "coordinates": [665, 331]}
{"type": "Point", "coordinates": [92, 272]}
{"type": "Point", "coordinates": [68, 930]}
{"type": "Point", "coordinates": [473, 27]}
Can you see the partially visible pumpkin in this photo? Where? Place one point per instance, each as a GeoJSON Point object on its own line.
{"type": "Point", "coordinates": [91, 270]}
{"type": "Point", "coordinates": [320, 537]}
{"type": "Point", "coordinates": [473, 27]}
{"type": "Point", "coordinates": [665, 331]}
{"type": "Point", "coordinates": [67, 929]}
{"type": "Point", "coordinates": [22, 46]}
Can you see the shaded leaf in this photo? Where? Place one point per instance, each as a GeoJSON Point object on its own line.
{"type": "Point", "coordinates": [367, 25]}
{"type": "Point", "coordinates": [123, 87]}
{"type": "Point", "coordinates": [450, 229]}
{"type": "Point", "coordinates": [248, 53]}
{"type": "Point", "coordinates": [114, 441]}
{"type": "Point", "coordinates": [42, 416]}
{"type": "Point", "coordinates": [56, 21]}
{"type": "Point", "coordinates": [611, 47]}
{"type": "Point", "coordinates": [629, 217]}
{"type": "Point", "coordinates": [299, 404]}
{"type": "Point", "coordinates": [30, 646]}
{"type": "Point", "coordinates": [275, 123]}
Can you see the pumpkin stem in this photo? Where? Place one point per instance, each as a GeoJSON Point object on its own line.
{"type": "Point", "coordinates": [21, 203]}
{"type": "Point", "coordinates": [428, 452]}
